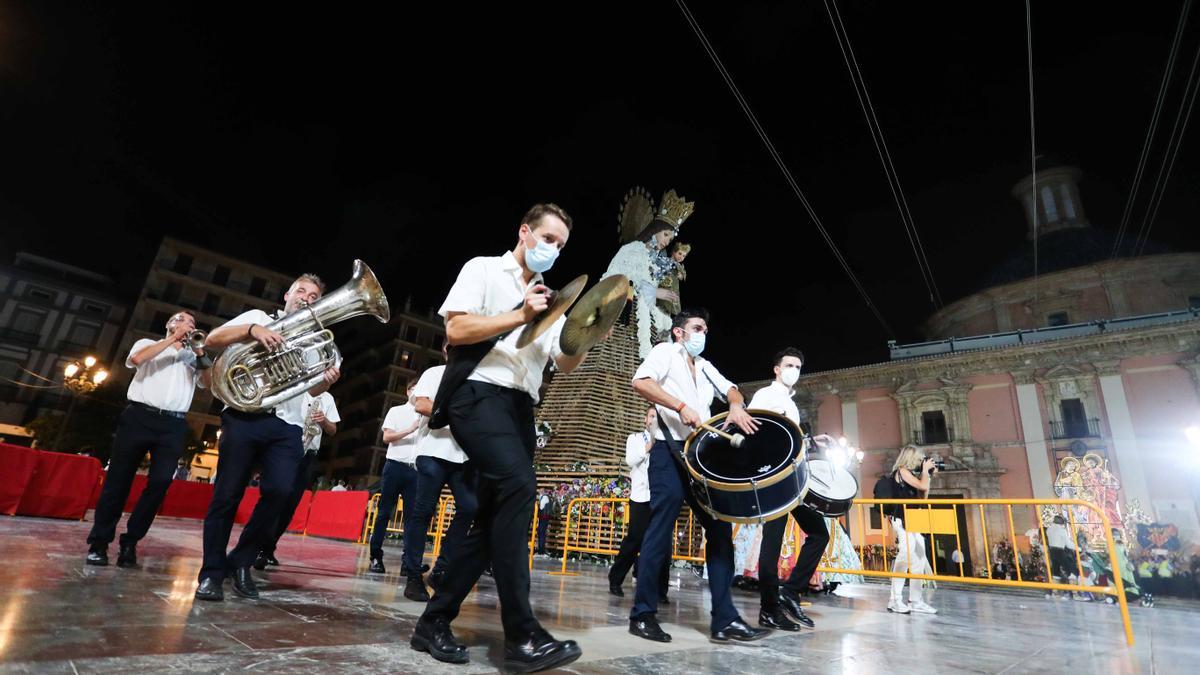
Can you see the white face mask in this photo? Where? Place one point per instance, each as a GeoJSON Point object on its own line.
{"type": "Point", "coordinates": [789, 375]}
{"type": "Point", "coordinates": [695, 343]}
{"type": "Point", "coordinates": [541, 257]}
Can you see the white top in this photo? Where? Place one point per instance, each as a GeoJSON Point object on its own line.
{"type": "Point", "coordinates": [776, 398]}
{"type": "Point", "coordinates": [166, 381]}
{"type": "Point", "coordinates": [399, 418]}
{"type": "Point", "coordinates": [339, 488]}
{"type": "Point", "coordinates": [436, 442]}
{"type": "Point", "coordinates": [488, 286]}
{"type": "Point", "coordinates": [291, 410]}
{"type": "Point", "coordinates": [325, 404]}
{"type": "Point", "coordinates": [639, 462]}
{"type": "Point", "coordinates": [667, 365]}
{"type": "Point", "coordinates": [1058, 536]}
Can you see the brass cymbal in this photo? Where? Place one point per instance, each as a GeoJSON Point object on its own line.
{"type": "Point", "coordinates": [560, 301]}
{"type": "Point", "coordinates": [594, 315]}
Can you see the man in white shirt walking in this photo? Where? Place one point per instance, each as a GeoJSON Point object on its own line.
{"type": "Point", "coordinates": [682, 386]}
{"type": "Point", "coordinates": [154, 421]}
{"type": "Point", "coordinates": [271, 439]}
{"type": "Point", "coordinates": [402, 428]}
{"type": "Point", "coordinates": [637, 456]}
{"type": "Point", "coordinates": [321, 418]}
{"type": "Point", "coordinates": [777, 398]}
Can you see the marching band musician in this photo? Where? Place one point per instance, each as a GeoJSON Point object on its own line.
{"type": "Point", "coordinates": [154, 421]}
{"type": "Point", "coordinates": [270, 439]}
{"type": "Point", "coordinates": [491, 417]}
{"type": "Point", "coordinates": [682, 385]}
{"type": "Point", "coordinates": [321, 418]}
{"type": "Point", "coordinates": [637, 456]}
{"type": "Point", "coordinates": [401, 430]}
{"type": "Point", "coordinates": [777, 398]}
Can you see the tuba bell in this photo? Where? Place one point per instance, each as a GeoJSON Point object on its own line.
{"type": "Point", "coordinates": [249, 378]}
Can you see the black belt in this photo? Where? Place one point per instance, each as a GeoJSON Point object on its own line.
{"type": "Point", "coordinates": [159, 411]}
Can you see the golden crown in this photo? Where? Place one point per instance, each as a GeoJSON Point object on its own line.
{"type": "Point", "coordinates": [674, 209]}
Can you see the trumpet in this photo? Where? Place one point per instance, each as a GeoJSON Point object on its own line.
{"type": "Point", "coordinates": [195, 341]}
{"type": "Point", "coordinates": [311, 429]}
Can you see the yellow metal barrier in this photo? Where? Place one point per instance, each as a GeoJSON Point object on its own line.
{"type": "Point", "coordinates": [593, 527]}
{"type": "Point", "coordinates": [930, 517]}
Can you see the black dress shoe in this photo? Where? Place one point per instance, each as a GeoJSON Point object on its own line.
{"type": "Point", "coordinates": [776, 618]}
{"type": "Point", "coordinates": [210, 589]}
{"type": "Point", "coordinates": [243, 583]}
{"type": "Point", "coordinates": [435, 638]}
{"type": "Point", "coordinates": [415, 590]}
{"type": "Point", "coordinates": [272, 560]}
{"type": "Point", "coordinates": [615, 589]}
{"type": "Point", "coordinates": [790, 601]}
{"type": "Point", "coordinates": [738, 630]}
{"type": "Point", "coordinates": [260, 563]}
{"type": "Point", "coordinates": [127, 557]}
{"type": "Point", "coordinates": [539, 652]}
{"type": "Point", "coordinates": [97, 555]}
{"type": "Point", "coordinates": [646, 626]}
{"type": "Point", "coordinates": [376, 566]}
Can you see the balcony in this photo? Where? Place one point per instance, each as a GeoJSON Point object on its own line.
{"type": "Point", "coordinates": [933, 436]}
{"type": "Point", "coordinates": [19, 337]}
{"type": "Point", "coordinates": [1088, 428]}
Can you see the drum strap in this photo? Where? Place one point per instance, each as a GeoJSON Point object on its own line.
{"type": "Point", "coordinates": [676, 451]}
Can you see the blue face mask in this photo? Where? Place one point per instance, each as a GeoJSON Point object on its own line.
{"type": "Point", "coordinates": [541, 257]}
{"type": "Point", "coordinates": [695, 343]}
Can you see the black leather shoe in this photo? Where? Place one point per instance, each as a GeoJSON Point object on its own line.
{"type": "Point", "coordinates": [243, 583]}
{"type": "Point", "coordinates": [790, 601]}
{"type": "Point", "coordinates": [415, 590]}
{"type": "Point", "coordinates": [210, 589]}
{"type": "Point", "coordinates": [272, 560]}
{"type": "Point", "coordinates": [260, 563]}
{"type": "Point", "coordinates": [127, 557]}
{"type": "Point", "coordinates": [539, 652]}
{"type": "Point", "coordinates": [377, 566]}
{"type": "Point", "coordinates": [436, 578]}
{"type": "Point", "coordinates": [97, 555]}
{"type": "Point", "coordinates": [615, 589]}
{"type": "Point", "coordinates": [646, 626]}
{"type": "Point", "coordinates": [435, 638]}
{"type": "Point", "coordinates": [776, 618]}
{"type": "Point", "coordinates": [738, 630]}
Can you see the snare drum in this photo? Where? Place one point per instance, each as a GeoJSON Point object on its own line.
{"type": "Point", "coordinates": [831, 489]}
{"type": "Point", "coordinates": [762, 480]}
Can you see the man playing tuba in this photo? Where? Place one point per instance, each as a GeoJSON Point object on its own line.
{"type": "Point", "coordinates": [270, 439]}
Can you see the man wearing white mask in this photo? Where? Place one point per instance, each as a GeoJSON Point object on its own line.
{"type": "Point", "coordinates": [682, 385]}
{"type": "Point", "coordinates": [777, 398]}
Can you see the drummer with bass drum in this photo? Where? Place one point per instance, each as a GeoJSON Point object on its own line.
{"type": "Point", "coordinates": [682, 386]}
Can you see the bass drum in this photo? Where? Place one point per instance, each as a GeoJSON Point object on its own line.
{"type": "Point", "coordinates": [831, 489]}
{"type": "Point", "coordinates": [762, 480]}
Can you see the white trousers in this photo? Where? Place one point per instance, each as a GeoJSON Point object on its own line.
{"type": "Point", "coordinates": [910, 558]}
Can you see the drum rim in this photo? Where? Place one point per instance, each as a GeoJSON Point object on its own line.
{"type": "Point", "coordinates": [851, 498]}
{"type": "Point", "coordinates": [788, 471]}
{"type": "Point", "coordinates": [756, 520]}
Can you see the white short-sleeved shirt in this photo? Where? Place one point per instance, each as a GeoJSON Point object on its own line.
{"type": "Point", "coordinates": [639, 464]}
{"type": "Point", "coordinates": [667, 364]}
{"type": "Point", "coordinates": [436, 442]}
{"type": "Point", "coordinates": [291, 410]}
{"type": "Point", "coordinates": [399, 418]}
{"type": "Point", "coordinates": [166, 381]}
{"type": "Point", "coordinates": [776, 398]}
{"type": "Point", "coordinates": [488, 286]}
{"type": "Point", "coordinates": [325, 404]}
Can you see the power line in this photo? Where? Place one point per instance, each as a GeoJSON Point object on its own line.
{"type": "Point", "coordinates": [762, 134]}
{"type": "Point", "coordinates": [881, 149]}
{"type": "Point", "coordinates": [1032, 144]}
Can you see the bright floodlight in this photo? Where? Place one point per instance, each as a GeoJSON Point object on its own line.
{"type": "Point", "coordinates": [71, 369]}
{"type": "Point", "coordinates": [89, 361]}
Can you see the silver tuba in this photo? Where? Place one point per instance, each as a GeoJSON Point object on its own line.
{"type": "Point", "coordinates": [249, 378]}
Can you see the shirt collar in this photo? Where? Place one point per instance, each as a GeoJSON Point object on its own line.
{"type": "Point", "coordinates": [508, 263]}
{"type": "Point", "coordinates": [783, 388]}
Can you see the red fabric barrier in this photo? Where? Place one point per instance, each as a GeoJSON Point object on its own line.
{"type": "Point", "coordinates": [187, 499]}
{"type": "Point", "coordinates": [300, 517]}
{"type": "Point", "coordinates": [338, 515]}
{"type": "Point", "coordinates": [62, 486]}
{"type": "Point", "coordinates": [17, 466]}
{"type": "Point", "coordinates": [246, 507]}
{"type": "Point", "coordinates": [135, 491]}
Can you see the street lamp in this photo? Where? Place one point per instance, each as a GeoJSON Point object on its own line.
{"type": "Point", "coordinates": [80, 379]}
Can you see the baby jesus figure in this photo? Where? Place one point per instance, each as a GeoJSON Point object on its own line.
{"type": "Point", "coordinates": [668, 286]}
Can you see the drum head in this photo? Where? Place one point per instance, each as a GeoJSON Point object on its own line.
{"type": "Point", "coordinates": [765, 454]}
{"type": "Point", "coordinates": [830, 480]}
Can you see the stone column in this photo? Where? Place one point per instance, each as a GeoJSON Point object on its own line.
{"type": "Point", "coordinates": [1036, 454]}
{"type": "Point", "coordinates": [1125, 445]}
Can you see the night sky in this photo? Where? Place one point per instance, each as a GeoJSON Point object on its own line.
{"type": "Point", "coordinates": [302, 136]}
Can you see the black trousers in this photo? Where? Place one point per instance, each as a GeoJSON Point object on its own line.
{"type": "Point", "coordinates": [432, 474]}
{"type": "Point", "coordinates": [631, 545]}
{"type": "Point", "coordinates": [138, 431]}
{"type": "Point", "coordinates": [815, 540]}
{"type": "Point", "coordinates": [248, 440]}
{"type": "Point", "coordinates": [399, 481]}
{"type": "Point", "coordinates": [303, 480]}
{"type": "Point", "coordinates": [494, 426]}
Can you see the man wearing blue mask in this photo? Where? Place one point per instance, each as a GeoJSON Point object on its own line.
{"type": "Point", "coordinates": [486, 394]}
{"type": "Point", "coordinates": [681, 385]}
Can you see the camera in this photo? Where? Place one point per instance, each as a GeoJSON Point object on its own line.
{"type": "Point", "coordinates": [938, 463]}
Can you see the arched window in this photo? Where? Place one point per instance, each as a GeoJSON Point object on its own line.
{"type": "Point", "coordinates": [1068, 203]}
{"type": "Point", "coordinates": [1048, 204]}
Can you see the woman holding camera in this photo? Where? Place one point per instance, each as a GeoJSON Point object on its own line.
{"type": "Point", "coordinates": [910, 546]}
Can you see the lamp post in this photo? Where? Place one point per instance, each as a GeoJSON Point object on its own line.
{"type": "Point", "coordinates": [80, 379]}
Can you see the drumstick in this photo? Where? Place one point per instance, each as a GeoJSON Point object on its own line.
{"type": "Point", "coordinates": [735, 440]}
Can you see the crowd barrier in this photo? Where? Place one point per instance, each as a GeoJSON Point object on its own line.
{"type": "Point", "coordinates": [597, 525]}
